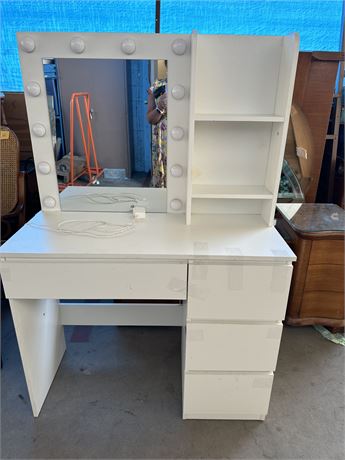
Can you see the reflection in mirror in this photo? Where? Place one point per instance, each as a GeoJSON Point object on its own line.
{"type": "Point", "coordinates": [108, 122]}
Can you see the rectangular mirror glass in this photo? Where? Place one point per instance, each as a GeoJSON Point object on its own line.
{"type": "Point", "coordinates": [108, 121]}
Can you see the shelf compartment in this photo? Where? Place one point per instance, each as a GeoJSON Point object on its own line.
{"type": "Point", "coordinates": [234, 117]}
{"type": "Point", "coordinates": [240, 192]}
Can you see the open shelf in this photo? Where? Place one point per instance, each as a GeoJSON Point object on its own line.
{"type": "Point", "coordinates": [234, 117]}
{"type": "Point", "coordinates": [238, 122]}
{"type": "Point", "coordinates": [238, 192]}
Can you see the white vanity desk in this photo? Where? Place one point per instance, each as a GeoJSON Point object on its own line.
{"type": "Point", "coordinates": [211, 247]}
{"type": "Point", "coordinates": [232, 275]}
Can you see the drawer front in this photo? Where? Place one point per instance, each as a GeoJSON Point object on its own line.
{"type": "Point", "coordinates": [325, 278]}
{"type": "Point", "coordinates": [322, 304]}
{"type": "Point", "coordinates": [91, 279]}
{"type": "Point", "coordinates": [327, 252]}
{"type": "Point", "coordinates": [232, 347]}
{"type": "Point", "coordinates": [238, 292]}
{"type": "Point", "coordinates": [226, 396]}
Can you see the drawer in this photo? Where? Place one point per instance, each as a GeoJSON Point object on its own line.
{"type": "Point", "coordinates": [226, 396]}
{"type": "Point", "coordinates": [92, 279]}
{"type": "Point", "coordinates": [322, 304]}
{"type": "Point", "coordinates": [238, 292]}
{"type": "Point", "coordinates": [232, 347]}
{"type": "Point", "coordinates": [325, 278]}
{"type": "Point", "coordinates": [327, 252]}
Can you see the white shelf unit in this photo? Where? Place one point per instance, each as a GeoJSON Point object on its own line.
{"type": "Point", "coordinates": [239, 192]}
{"type": "Point", "coordinates": [241, 91]}
{"type": "Point", "coordinates": [234, 117]}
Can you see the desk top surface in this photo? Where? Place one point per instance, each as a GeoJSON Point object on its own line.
{"type": "Point", "coordinates": [158, 236]}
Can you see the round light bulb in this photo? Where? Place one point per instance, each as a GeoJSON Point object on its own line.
{"type": "Point", "coordinates": [27, 44]}
{"type": "Point", "coordinates": [176, 204]}
{"type": "Point", "coordinates": [44, 168]}
{"type": "Point", "coordinates": [177, 133]}
{"type": "Point", "coordinates": [77, 45]}
{"type": "Point", "coordinates": [33, 88]}
{"type": "Point", "coordinates": [38, 129]}
{"type": "Point", "coordinates": [179, 46]}
{"type": "Point", "coordinates": [178, 92]}
{"type": "Point", "coordinates": [128, 46]}
{"type": "Point", "coordinates": [176, 170]}
{"type": "Point", "coordinates": [49, 202]}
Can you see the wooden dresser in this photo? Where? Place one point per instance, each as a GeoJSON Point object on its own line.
{"type": "Point", "coordinates": [315, 232]}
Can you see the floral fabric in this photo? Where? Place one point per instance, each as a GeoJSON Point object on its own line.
{"type": "Point", "coordinates": [159, 145]}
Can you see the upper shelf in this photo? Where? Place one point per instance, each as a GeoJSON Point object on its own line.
{"type": "Point", "coordinates": [234, 117]}
{"type": "Point", "coordinates": [240, 192]}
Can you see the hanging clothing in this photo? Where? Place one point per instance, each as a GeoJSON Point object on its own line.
{"type": "Point", "coordinates": [159, 141]}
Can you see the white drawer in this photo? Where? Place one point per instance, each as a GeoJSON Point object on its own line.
{"type": "Point", "coordinates": [232, 347]}
{"type": "Point", "coordinates": [226, 396]}
{"type": "Point", "coordinates": [238, 292]}
{"type": "Point", "coordinates": [92, 279]}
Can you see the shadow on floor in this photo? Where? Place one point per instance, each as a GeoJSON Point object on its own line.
{"type": "Point", "coordinates": [117, 394]}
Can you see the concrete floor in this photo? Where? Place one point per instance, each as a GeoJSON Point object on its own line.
{"type": "Point", "coordinates": [117, 394]}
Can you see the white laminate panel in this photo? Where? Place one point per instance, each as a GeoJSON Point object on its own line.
{"type": "Point", "coordinates": [238, 292]}
{"type": "Point", "coordinates": [224, 74]}
{"type": "Point", "coordinates": [226, 396]}
{"type": "Point", "coordinates": [223, 153]}
{"type": "Point", "coordinates": [232, 347]}
{"type": "Point", "coordinates": [41, 343]}
{"type": "Point", "coordinates": [124, 314]}
{"type": "Point", "coordinates": [90, 279]}
{"type": "Point", "coordinates": [159, 236]}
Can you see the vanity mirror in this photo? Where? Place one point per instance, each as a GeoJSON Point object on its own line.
{"type": "Point", "coordinates": [98, 112]}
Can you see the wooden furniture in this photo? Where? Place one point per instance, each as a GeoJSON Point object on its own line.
{"type": "Point", "coordinates": [17, 119]}
{"type": "Point", "coordinates": [3, 120]}
{"type": "Point", "coordinates": [223, 278]}
{"type": "Point", "coordinates": [313, 93]}
{"type": "Point", "coordinates": [315, 233]}
{"type": "Point", "coordinates": [12, 185]}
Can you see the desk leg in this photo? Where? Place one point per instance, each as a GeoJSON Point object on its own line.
{"type": "Point", "coordinates": [41, 343]}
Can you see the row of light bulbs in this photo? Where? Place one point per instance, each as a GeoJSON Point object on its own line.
{"type": "Point", "coordinates": [78, 46]}
{"type": "Point", "coordinates": [128, 46]}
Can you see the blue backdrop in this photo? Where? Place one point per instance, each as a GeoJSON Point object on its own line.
{"type": "Point", "coordinates": [318, 21]}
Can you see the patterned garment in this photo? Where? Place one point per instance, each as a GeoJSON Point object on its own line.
{"type": "Point", "coordinates": [159, 145]}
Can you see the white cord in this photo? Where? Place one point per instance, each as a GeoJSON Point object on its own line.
{"type": "Point", "coordinates": [93, 228]}
{"type": "Point", "coordinates": [108, 198]}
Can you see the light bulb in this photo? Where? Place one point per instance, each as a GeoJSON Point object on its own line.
{"type": "Point", "coordinates": [176, 204]}
{"type": "Point", "coordinates": [179, 46]}
{"type": "Point", "coordinates": [177, 133]}
{"type": "Point", "coordinates": [176, 170]}
{"type": "Point", "coordinates": [44, 168]}
{"type": "Point", "coordinates": [27, 44]}
{"type": "Point", "coordinates": [128, 46]}
{"type": "Point", "coordinates": [178, 92]}
{"type": "Point", "coordinates": [49, 202]}
{"type": "Point", "coordinates": [38, 129]}
{"type": "Point", "coordinates": [33, 88]}
{"type": "Point", "coordinates": [77, 45]}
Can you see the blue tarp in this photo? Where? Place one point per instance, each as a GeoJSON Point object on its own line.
{"type": "Point", "coordinates": [318, 21]}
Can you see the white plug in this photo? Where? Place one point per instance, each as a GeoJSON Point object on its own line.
{"type": "Point", "coordinates": [139, 213]}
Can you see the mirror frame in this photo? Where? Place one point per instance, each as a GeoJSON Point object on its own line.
{"type": "Point", "coordinates": [176, 48]}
